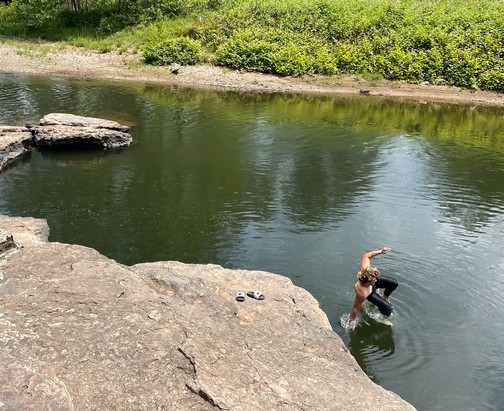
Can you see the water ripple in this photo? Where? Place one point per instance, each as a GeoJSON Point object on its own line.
{"type": "Point", "coordinates": [297, 187]}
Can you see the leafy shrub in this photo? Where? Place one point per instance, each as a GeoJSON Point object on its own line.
{"type": "Point", "coordinates": [151, 10]}
{"type": "Point", "coordinates": [295, 59]}
{"type": "Point", "coordinates": [4, 17]}
{"type": "Point", "coordinates": [462, 67]}
{"type": "Point", "coordinates": [275, 51]}
{"type": "Point", "coordinates": [182, 50]}
{"type": "Point", "coordinates": [247, 50]}
{"type": "Point", "coordinates": [112, 23]}
{"type": "Point", "coordinates": [34, 14]}
{"type": "Point", "coordinates": [355, 57]}
{"type": "Point", "coordinates": [492, 79]}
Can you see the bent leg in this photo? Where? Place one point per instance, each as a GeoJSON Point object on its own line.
{"type": "Point", "coordinates": [388, 283]}
{"type": "Point", "coordinates": [384, 306]}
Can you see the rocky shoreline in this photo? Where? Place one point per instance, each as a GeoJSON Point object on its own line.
{"type": "Point", "coordinates": [81, 332]}
{"type": "Point", "coordinates": [52, 59]}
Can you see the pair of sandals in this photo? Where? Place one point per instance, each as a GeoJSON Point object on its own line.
{"type": "Point", "coordinates": [252, 294]}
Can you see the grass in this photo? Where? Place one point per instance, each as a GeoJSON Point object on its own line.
{"type": "Point", "coordinates": [452, 42]}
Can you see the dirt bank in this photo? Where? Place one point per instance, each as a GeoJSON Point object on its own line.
{"type": "Point", "coordinates": [52, 59]}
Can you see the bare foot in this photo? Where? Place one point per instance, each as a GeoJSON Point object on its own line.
{"type": "Point", "coordinates": [386, 298]}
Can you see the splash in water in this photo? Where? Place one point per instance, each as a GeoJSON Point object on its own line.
{"type": "Point", "coordinates": [373, 313]}
{"type": "Point", "coordinates": [345, 322]}
{"type": "Point", "coordinates": [370, 311]}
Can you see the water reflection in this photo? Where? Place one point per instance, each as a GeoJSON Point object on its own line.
{"type": "Point", "coordinates": [371, 342]}
{"type": "Point", "coordinates": [300, 186]}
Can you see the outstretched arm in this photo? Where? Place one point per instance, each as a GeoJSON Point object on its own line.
{"type": "Point", "coordinates": [367, 257]}
{"type": "Point", "coordinates": [359, 299]}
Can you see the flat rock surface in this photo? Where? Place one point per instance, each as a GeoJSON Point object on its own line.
{"type": "Point", "coordinates": [62, 130]}
{"type": "Point", "coordinates": [64, 119]}
{"type": "Point", "coordinates": [79, 136]}
{"type": "Point", "coordinates": [82, 332]}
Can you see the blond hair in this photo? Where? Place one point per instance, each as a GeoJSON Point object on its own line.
{"type": "Point", "coordinates": [368, 274]}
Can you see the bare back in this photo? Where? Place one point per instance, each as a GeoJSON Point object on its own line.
{"type": "Point", "coordinates": [362, 290]}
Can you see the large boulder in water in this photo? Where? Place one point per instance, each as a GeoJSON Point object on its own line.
{"type": "Point", "coordinates": [82, 332]}
{"type": "Point", "coordinates": [61, 130]}
{"type": "Point", "coordinates": [69, 130]}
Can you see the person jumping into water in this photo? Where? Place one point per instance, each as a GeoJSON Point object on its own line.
{"type": "Point", "coordinates": [368, 280]}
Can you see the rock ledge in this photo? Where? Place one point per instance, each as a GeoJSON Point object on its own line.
{"type": "Point", "coordinates": [80, 331]}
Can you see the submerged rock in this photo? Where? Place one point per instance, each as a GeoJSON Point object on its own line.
{"type": "Point", "coordinates": [80, 331]}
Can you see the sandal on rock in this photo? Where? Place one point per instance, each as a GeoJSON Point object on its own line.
{"type": "Point", "coordinates": [256, 294]}
{"type": "Point", "coordinates": [240, 296]}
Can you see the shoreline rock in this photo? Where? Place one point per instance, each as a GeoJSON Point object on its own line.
{"type": "Point", "coordinates": [80, 331]}
{"type": "Point", "coordinates": [59, 130]}
{"type": "Point", "coordinates": [14, 142]}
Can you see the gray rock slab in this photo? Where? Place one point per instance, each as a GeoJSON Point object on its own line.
{"type": "Point", "coordinates": [79, 136]}
{"type": "Point", "coordinates": [81, 332]}
{"type": "Point", "coordinates": [63, 119]}
{"type": "Point", "coordinates": [14, 142]}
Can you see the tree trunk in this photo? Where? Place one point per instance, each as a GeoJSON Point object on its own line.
{"type": "Point", "coordinates": [74, 5]}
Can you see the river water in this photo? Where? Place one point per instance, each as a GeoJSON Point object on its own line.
{"type": "Point", "coordinates": [300, 186]}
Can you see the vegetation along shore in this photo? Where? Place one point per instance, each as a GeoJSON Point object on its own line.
{"type": "Point", "coordinates": [447, 50]}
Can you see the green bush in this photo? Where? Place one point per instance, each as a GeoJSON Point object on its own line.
{"type": "Point", "coordinates": [462, 66]}
{"type": "Point", "coordinates": [30, 16]}
{"type": "Point", "coordinates": [248, 51]}
{"type": "Point", "coordinates": [275, 51]}
{"type": "Point", "coordinates": [296, 59]}
{"type": "Point", "coordinates": [493, 79]}
{"type": "Point", "coordinates": [182, 50]}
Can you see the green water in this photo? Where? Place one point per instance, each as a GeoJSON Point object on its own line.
{"type": "Point", "coordinates": [300, 186]}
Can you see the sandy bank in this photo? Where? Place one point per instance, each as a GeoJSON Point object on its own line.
{"type": "Point", "coordinates": [51, 59]}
